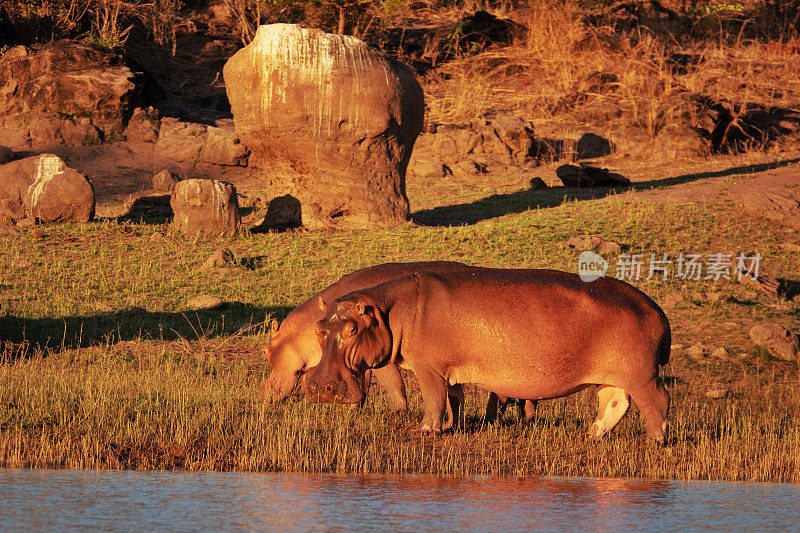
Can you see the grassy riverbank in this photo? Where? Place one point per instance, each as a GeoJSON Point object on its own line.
{"type": "Point", "coordinates": [104, 366]}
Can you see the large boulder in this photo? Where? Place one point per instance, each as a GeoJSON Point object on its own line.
{"type": "Point", "coordinates": [66, 91]}
{"type": "Point", "coordinates": [44, 189]}
{"type": "Point", "coordinates": [205, 207]}
{"type": "Point", "coordinates": [330, 120]}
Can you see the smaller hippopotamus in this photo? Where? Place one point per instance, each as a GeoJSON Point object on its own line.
{"type": "Point", "coordinates": [496, 405]}
{"type": "Point", "coordinates": [532, 334]}
{"type": "Point", "coordinates": [294, 348]}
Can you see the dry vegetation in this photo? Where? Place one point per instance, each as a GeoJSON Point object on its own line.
{"type": "Point", "coordinates": [144, 383]}
{"type": "Point", "coordinates": [103, 366]}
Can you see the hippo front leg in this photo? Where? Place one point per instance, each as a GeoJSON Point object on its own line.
{"type": "Point", "coordinates": [434, 397]}
{"type": "Point", "coordinates": [392, 382]}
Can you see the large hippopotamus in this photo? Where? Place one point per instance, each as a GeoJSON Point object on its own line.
{"type": "Point", "coordinates": [294, 346]}
{"type": "Point", "coordinates": [531, 334]}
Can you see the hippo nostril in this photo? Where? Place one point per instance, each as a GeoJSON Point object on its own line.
{"type": "Point", "coordinates": [312, 388]}
{"type": "Point", "coordinates": [329, 388]}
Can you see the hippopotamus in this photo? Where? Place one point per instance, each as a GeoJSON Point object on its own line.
{"type": "Point", "coordinates": [532, 334]}
{"type": "Point", "coordinates": [294, 348]}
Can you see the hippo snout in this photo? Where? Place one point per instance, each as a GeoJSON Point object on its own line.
{"type": "Point", "coordinates": [323, 392]}
{"type": "Point", "coordinates": [336, 391]}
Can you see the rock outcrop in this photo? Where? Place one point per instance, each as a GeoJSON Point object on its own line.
{"type": "Point", "coordinates": [778, 204]}
{"type": "Point", "coordinates": [66, 92]}
{"type": "Point", "coordinates": [44, 189]}
{"type": "Point", "coordinates": [205, 207]}
{"type": "Point", "coordinates": [497, 142]}
{"type": "Point", "coordinates": [780, 342]}
{"type": "Point", "coordinates": [330, 120]}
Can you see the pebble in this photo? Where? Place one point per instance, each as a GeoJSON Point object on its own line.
{"type": "Point", "coordinates": [720, 353]}
{"type": "Point", "coordinates": [204, 301]}
{"type": "Point", "coordinates": [717, 393]}
{"type": "Point", "coordinates": [221, 257]}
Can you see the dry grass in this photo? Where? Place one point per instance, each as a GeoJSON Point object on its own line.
{"type": "Point", "coordinates": [578, 68]}
{"type": "Point", "coordinates": [165, 388]}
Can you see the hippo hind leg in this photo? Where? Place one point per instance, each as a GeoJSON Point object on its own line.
{"type": "Point", "coordinates": [653, 401]}
{"type": "Point", "coordinates": [527, 408]}
{"type": "Point", "coordinates": [454, 407]}
{"type": "Point", "coordinates": [613, 403]}
{"type": "Point", "coordinates": [495, 407]}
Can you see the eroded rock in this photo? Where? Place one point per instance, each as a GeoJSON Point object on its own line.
{"type": "Point", "coordinates": [331, 120]}
{"type": "Point", "coordinates": [205, 207]}
{"type": "Point", "coordinates": [44, 189]}
{"type": "Point", "coordinates": [65, 91]}
{"type": "Point", "coordinates": [779, 204]}
{"type": "Point", "coordinates": [223, 147]}
{"type": "Point", "coordinates": [780, 342]}
{"type": "Point", "coordinates": [165, 181]}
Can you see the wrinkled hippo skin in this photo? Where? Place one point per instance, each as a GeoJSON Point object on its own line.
{"type": "Point", "coordinates": [531, 334]}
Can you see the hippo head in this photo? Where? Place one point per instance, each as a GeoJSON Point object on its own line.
{"type": "Point", "coordinates": [354, 337]}
{"type": "Point", "coordinates": [287, 365]}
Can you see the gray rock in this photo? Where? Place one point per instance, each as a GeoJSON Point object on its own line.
{"type": "Point", "coordinates": [205, 207]}
{"type": "Point", "coordinates": [591, 145]}
{"type": "Point", "coordinates": [595, 243]}
{"type": "Point", "coordinates": [780, 342]}
{"type": "Point", "coordinates": [537, 184]}
{"type": "Point", "coordinates": [221, 257]}
{"type": "Point", "coordinates": [204, 301]}
{"type": "Point", "coordinates": [43, 188]}
{"type": "Point", "coordinates": [331, 120]}
{"type": "Point", "coordinates": [223, 147]}
{"type": "Point", "coordinates": [165, 181]}
{"type": "Point", "coordinates": [283, 212]}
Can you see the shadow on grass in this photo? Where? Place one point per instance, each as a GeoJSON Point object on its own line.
{"type": "Point", "coordinates": [499, 205]}
{"type": "Point", "coordinates": [131, 324]}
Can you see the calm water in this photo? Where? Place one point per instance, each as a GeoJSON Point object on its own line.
{"type": "Point", "coordinates": [147, 501]}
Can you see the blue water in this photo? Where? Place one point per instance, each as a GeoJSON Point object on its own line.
{"type": "Point", "coordinates": [44, 500]}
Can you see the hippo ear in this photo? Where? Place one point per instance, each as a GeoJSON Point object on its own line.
{"type": "Point", "coordinates": [273, 327]}
{"type": "Point", "coordinates": [374, 344]}
{"type": "Point", "coordinates": [321, 303]}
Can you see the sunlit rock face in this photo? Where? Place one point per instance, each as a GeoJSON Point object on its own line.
{"type": "Point", "coordinates": [331, 122]}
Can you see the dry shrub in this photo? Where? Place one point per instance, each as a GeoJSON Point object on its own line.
{"type": "Point", "coordinates": [103, 22]}
{"type": "Point", "coordinates": [648, 89]}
